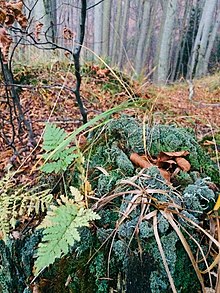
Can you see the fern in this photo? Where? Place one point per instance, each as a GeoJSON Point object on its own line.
{"type": "Point", "coordinates": [15, 202]}
{"type": "Point", "coordinates": [62, 224]}
{"type": "Point", "coordinates": [56, 161]}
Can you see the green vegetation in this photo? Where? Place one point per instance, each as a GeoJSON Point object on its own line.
{"type": "Point", "coordinates": [121, 251]}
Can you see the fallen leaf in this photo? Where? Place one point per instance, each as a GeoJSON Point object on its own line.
{"type": "Point", "coordinates": [183, 164]}
{"type": "Point", "coordinates": [165, 155]}
{"type": "Point", "coordinates": [217, 204]}
{"type": "Point", "coordinates": [166, 175]}
{"type": "Point", "coordinates": [166, 164]}
{"type": "Point", "coordinates": [208, 142]}
{"type": "Point", "coordinates": [140, 161]}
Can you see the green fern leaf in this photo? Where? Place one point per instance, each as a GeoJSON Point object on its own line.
{"type": "Point", "coordinates": [61, 231]}
{"type": "Point", "coordinates": [60, 160]}
{"type": "Point", "coordinates": [53, 137]}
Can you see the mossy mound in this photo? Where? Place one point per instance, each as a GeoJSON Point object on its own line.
{"type": "Point", "coordinates": [120, 253]}
{"type": "Point", "coordinates": [124, 254]}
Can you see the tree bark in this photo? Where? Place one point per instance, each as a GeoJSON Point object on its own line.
{"type": "Point", "coordinates": [98, 28]}
{"type": "Point", "coordinates": [106, 27]}
{"type": "Point", "coordinates": [116, 37]}
{"type": "Point", "coordinates": [202, 39]}
{"type": "Point", "coordinates": [161, 74]}
{"type": "Point", "coordinates": [146, 7]}
{"type": "Point", "coordinates": [124, 29]}
{"type": "Point", "coordinates": [212, 38]}
{"type": "Point", "coordinates": [43, 12]}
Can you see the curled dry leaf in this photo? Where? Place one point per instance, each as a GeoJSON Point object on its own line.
{"type": "Point", "coordinates": [37, 30]}
{"type": "Point", "coordinates": [165, 156]}
{"type": "Point", "coordinates": [143, 162]}
{"type": "Point", "coordinates": [174, 158]}
{"type": "Point", "coordinates": [5, 42]}
{"type": "Point", "coordinates": [103, 72]}
{"type": "Point", "coordinates": [10, 18]}
{"type": "Point", "coordinates": [2, 16]}
{"type": "Point", "coordinates": [166, 164]}
{"type": "Point", "coordinates": [14, 11]}
{"type": "Point", "coordinates": [183, 164]}
{"type": "Point", "coordinates": [176, 154]}
{"type": "Point", "coordinates": [68, 34]}
{"type": "Point", "coordinates": [166, 175]}
{"type": "Point", "coordinates": [140, 161]}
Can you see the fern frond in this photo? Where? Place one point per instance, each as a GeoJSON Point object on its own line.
{"type": "Point", "coordinates": [53, 137]}
{"type": "Point", "coordinates": [60, 160]}
{"type": "Point", "coordinates": [61, 230]}
{"type": "Point", "coordinates": [15, 202]}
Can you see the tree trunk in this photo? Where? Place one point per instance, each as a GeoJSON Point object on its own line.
{"type": "Point", "coordinates": [146, 6]}
{"type": "Point", "coordinates": [116, 37]}
{"type": "Point", "coordinates": [148, 58]}
{"type": "Point", "coordinates": [43, 13]}
{"type": "Point", "coordinates": [98, 28]}
{"type": "Point", "coordinates": [139, 13]}
{"type": "Point", "coordinates": [106, 27]}
{"type": "Point", "coordinates": [124, 29]}
{"type": "Point", "coordinates": [212, 38]}
{"type": "Point", "coordinates": [202, 39]}
{"type": "Point", "coordinates": [181, 40]}
{"type": "Point", "coordinates": [161, 74]}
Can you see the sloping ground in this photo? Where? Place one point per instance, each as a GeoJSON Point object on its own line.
{"type": "Point", "coordinates": [48, 96]}
{"type": "Point", "coordinates": [110, 156]}
{"type": "Point", "coordinates": [201, 112]}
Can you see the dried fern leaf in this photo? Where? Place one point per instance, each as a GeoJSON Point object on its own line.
{"type": "Point", "coordinates": [15, 202]}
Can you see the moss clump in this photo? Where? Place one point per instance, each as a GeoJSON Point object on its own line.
{"type": "Point", "coordinates": [130, 135]}
{"type": "Point", "coordinates": [168, 138]}
{"type": "Point", "coordinates": [120, 251]}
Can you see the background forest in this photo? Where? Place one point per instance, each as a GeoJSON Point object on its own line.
{"type": "Point", "coordinates": [163, 40]}
{"type": "Point", "coordinates": [109, 146]}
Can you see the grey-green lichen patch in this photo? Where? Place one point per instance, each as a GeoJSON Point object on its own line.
{"type": "Point", "coordinates": [128, 131]}
{"type": "Point", "coordinates": [198, 197]}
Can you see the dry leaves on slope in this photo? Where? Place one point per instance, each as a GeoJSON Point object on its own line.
{"type": "Point", "coordinates": [14, 12]}
{"type": "Point", "coordinates": [9, 12]}
{"type": "Point", "coordinates": [168, 163]}
{"type": "Point", "coordinates": [5, 42]}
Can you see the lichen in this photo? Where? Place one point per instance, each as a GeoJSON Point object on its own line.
{"type": "Point", "coordinates": [198, 197]}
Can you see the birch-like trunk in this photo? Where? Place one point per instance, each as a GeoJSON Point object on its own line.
{"type": "Point", "coordinates": [211, 44]}
{"type": "Point", "coordinates": [202, 39]}
{"type": "Point", "coordinates": [44, 12]}
{"type": "Point", "coordinates": [116, 38]}
{"type": "Point", "coordinates": [146, 6]}
{"type": "Point", "coordinates": [106, 27]}
{"type": "Point", "coordinates": [148, 57]}
{"type": "Point", "coordinates": [139, 13]}
{"type": "Point", "coordinates": [98, 13]}
{"type": "Point", "coordinates": [161, 74]}
{"type": "Point", "coordinates": [124, 29]}
{"type": "Point", "coordinates": [181, 40]}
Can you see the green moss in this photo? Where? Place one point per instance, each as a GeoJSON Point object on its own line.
{"type": "Point", "coordinates": [188, 282]}
{"type": "Point", "coordinates": [128, 248]}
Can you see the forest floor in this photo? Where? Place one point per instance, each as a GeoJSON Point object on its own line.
{"type": "Point", "coordinates": [48, 96]}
